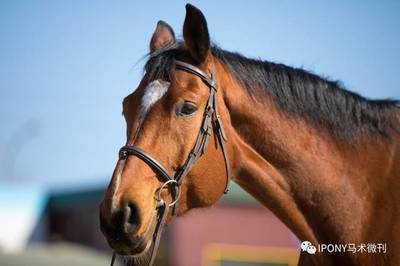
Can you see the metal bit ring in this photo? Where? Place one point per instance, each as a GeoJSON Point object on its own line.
{"type": "Point", "coordinates": [171, 182]}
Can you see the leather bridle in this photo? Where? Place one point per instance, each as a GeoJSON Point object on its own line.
{"type": "Point", "coordinates": [211, 120]}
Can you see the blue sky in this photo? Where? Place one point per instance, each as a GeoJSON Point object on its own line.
{"type": "Point", "coordinates": [66, 66]}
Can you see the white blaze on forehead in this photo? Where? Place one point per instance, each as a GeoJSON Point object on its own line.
{"type": "Point", "coordinates": [153, 92]}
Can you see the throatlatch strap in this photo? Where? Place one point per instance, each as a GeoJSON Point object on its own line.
{"type": "Point", "coordinates": [210, 112]}
{"type": "Point", "coordinates": [205, 130]}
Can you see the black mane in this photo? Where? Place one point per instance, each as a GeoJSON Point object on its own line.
{"type": "Point", "coordinates": [322, 102]}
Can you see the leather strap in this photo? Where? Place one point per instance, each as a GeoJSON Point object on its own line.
{"type": "Point", "coordinates": [210, 112]}
{"type": "Point", "coordinates": [113, 259]}
{"type": "Point", "coordinates": [196, 71]}
{"type": "Point", "coordinates": [136, 151]}
{"type": "Point", "coordinates": [163, 210]}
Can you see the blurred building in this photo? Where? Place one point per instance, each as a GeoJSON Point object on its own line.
{"type": "Point", "coordinates": [237, 231]}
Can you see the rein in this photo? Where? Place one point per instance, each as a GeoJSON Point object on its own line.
{"type": "Point", "coordinates": [211, 120]}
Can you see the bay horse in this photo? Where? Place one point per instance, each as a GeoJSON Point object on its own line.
{"type": "Point", "coordinates": [324, 160]}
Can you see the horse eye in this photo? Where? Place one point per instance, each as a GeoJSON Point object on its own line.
{"type": "Point", "coordinates": [187, 108]}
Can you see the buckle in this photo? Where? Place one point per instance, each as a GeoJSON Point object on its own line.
{"type": "Point", "coordinates": [123, 154]}
{"type": "Point", "coordinates": [209, 111]}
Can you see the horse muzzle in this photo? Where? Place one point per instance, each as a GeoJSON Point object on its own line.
{"type": "Point", "coordinates": [124, 242]}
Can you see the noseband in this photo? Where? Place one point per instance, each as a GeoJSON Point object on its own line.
{"type": "Point", "coordinates": [211, 120]}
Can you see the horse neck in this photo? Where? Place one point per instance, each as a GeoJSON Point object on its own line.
{"type": "Point", "coordinates": [300, 173]}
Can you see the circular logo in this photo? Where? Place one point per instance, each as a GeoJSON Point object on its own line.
{"type": "Point", "coordinates": [308, 247]}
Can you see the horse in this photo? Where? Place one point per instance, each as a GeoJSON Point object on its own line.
{"type": "Point", "coordinates": [324, 160]}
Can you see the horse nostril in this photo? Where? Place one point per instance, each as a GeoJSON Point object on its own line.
{"type": "Point", "coordinates": [131, 219]}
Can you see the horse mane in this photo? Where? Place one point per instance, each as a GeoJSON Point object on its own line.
{"type": "Point", "coordinates": [297, 92]}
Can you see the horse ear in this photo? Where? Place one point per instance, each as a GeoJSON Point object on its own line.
{"type": "Point", "coordinates": [195, 34]}
{"type": "Point", "coordinates": [163, 36]}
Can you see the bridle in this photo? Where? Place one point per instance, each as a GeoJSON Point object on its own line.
{"type": "Point", "coordinates": [211, 120]}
